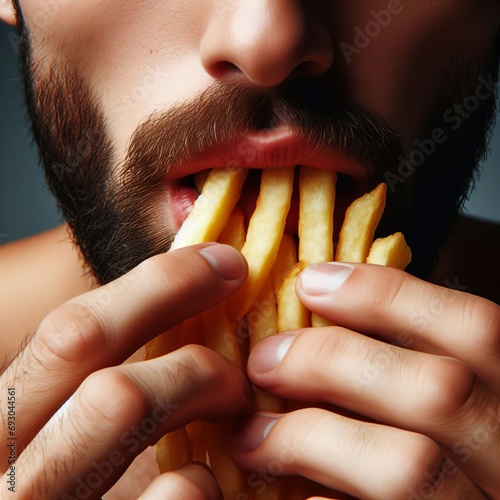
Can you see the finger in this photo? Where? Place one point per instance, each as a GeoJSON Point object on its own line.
{"type": "Point", "coordinates": [193, 481]}
{"type": "Point", "coordinates": [402, 309]}
{"type": "Point", "coordinates": [434, 395]}
{"type": "Point", "coordinates": [117, 412]}
{"type": "Point", "coordinates": [362, 459]}
{"type": "Point", "coordinates": [105, 326]}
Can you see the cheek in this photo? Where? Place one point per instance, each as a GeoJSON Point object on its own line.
{"type": "Point", "coordinates": [394, 68]}
{"type": "Point", "coordinates": [134, 55]}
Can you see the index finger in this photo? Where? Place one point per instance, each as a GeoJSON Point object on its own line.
{"type": "Point", "coordinates": [408, 312]}
{"type": "Point", "coordinates": [105, 326]}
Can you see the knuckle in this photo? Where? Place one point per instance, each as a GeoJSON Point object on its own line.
{"type": "Point", "coordinates": [445, 386]}
{"type": "Point", "coordinates": [200, 361]}
{"type": "Point", "coordinates": [481, 321]}
{"type": "Point", "coordinates": [411, 471]}
{"type": "Point", "coordinates": [70, 334]}
{"type": "Point", "coordinates": [197, 370]}
{"type": "Point", "coordinates": [107, 395]}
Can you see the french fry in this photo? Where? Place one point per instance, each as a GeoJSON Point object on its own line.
{"type": "Point", "coordinates": [221, 191]}
{"type": "Point", "coordinates": [317, 202]}
{"type": "Point", "coordinates": [262, 322]}
{"type": "Point", "coordinates": [391, 251]}
{"type": "Point", "coordinates": [197, 442]}
{"type": "Point", "coordinates": [317, 205]}
{"type": "Point", "coordinates": [220, 334]}
{"type": "Point", "coordinates": [291, 313]}
{"type": "Point", "coordinates": [262, 316]}
{"type": "Point", "coordinates": [212, 208]}
{"type": "Point", "coordinates": [361, 221]}
{"type": "Point", "coordinates": [264, 236]}
{"type": "Point", "coordinates": [231, 479]}
{"type": "Point", "coordinates": [173, 450]}
{"type": "Point", "coordinates": [285, 260]}
{"type": "Point", "coordinates": [234, 232]}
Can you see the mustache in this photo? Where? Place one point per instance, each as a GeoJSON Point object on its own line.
{"type": "Point", "coordinates": [228, 110]}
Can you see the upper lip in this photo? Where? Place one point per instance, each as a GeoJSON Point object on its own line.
{"type": "Point", "coordinates": [267, 149]}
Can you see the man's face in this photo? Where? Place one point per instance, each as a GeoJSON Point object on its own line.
{"type": "Point", "coordinates": [130, 98]}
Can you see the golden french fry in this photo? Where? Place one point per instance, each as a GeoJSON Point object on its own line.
{"type": "Point", "coordinates": [361, 221]}
{"type": "Point", "coordinates": [231, 479]}
{"type": "Point", "coordinates": [212, 208]}
{"type": "Point", "coordinates": [262, 316]}
{"type": "Point", "coordinates": [277, 490]}
{"type": "Point", "coordinates": [261, 322]}
{"type": "Point", "coordinates": [264, 235]}
{"type": "Point", "coordinates": [317, 202]}
{"type": "Point", "coordinates": [197, 442]}
{"type": "Point", "coordinates": [291, 313]}
{"type": "Point", "coordinates": [234, 232]}
{"type": "Point", "coordinates": [220, 334]}
{"type": "Point", "coordinates": [163, 344]}
{"type": "Point", "coordinates": [173, 450]}
{"type": "Point", "coordinates": [391, 251]}
{"type": "Point", "coordinates": [319, 322]}
{"type": "Point", "coordinates": [285, 260]}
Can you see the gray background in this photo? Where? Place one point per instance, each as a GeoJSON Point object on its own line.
{"type": "Point", "coordinates": [26, 207]}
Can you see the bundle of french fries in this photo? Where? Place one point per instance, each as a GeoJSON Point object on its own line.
{"type": "Point", "coordinates": [267, 303]}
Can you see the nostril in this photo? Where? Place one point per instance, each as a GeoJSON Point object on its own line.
{"type": "Point", "coordinates": [224, 69]}
{"type": "Point", "coordinates": [308, 68]}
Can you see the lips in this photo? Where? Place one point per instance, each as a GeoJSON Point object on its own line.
{"type": "Point", "coordinates": [277, 148]}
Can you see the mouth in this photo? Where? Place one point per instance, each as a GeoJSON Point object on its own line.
{"type": "Point", "coordinates": [277, 148]}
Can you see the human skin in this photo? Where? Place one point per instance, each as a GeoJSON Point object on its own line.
{"type": "Point", "coordinates": [444, 402]}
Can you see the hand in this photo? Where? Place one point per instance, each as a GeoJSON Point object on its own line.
{"type": "Point", "coordinates": [80, 418]}
{"type": "Point", "coordinates": [416, 366]}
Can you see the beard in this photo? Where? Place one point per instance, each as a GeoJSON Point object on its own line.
{"type": "Point", "coordinates": [116, 212]}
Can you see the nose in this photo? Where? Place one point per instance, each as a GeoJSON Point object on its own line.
{"type": "Point", "coordinates": [266, 42]}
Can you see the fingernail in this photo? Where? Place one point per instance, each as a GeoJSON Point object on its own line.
{"type": "Point", "coordinates": [269, 353]}
{"type": "Point", "coordinates": [227, 262]}
{"type": "Point", "coordinates": [324, 278]}
{"type": "Point", "coordinates": [251, 432]}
